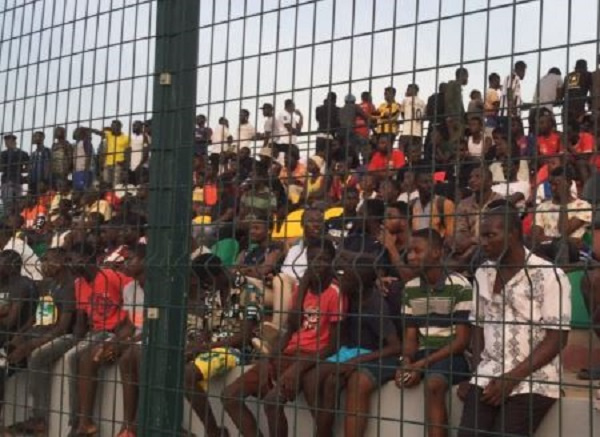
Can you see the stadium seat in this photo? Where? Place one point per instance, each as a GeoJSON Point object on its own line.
{"type": "Point", "coordinates": [227, 250]}
{"type": "Point", "coordinates": [336, 211]}
{"type": "Point", "coordinates": [580, 317]}
{"type": "Point", "coordinates": [291, 227]}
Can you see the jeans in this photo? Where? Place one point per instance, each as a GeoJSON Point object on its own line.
{"type": "Point", "coordinates": [10, 192]}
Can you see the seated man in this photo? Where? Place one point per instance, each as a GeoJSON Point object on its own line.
{"type": "Point", "coordinates": [559, 224]}
{"type": "Point", "coordinates": [366, 359]}
{"type": "Point", "coordinates": [437, 331]}
{"type": "Point", "coordinates": [468, 214]}
{"type": "Point", "coordinates": [311, 336]}
{"type": "Point", "coordinates": [386, 160]}
{"type": "Point", "coordinates": [256, 268]}
{"type": "Point", "coordinates": [292, 270]}
{"type": "Point", "coordinates": [521, 316]}
{"type": "Point", "coordinates": [221, 324]}
{"type": "Point", "coordinates": [94, 323]}
{"type": "Point", "coordinates": [48, 339]}
{"type": "Point", "coordinates": [428, 210]}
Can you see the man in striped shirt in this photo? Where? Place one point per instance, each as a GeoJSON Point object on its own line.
{"type": "Point", "coordinates": [436, 306]}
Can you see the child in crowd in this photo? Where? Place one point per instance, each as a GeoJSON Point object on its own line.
{"type": "Point", "coordinates": [311, 336]}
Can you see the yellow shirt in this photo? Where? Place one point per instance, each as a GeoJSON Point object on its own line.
{"type": "Point", "coordinates": [101, 206]}
{"type": "Point", "coordinates": [115, 148]}
{"type": "Point", "coordinates": [387, 121]}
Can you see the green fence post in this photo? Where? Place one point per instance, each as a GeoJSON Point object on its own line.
{"type": "Point", "coordinates": [161, 400]}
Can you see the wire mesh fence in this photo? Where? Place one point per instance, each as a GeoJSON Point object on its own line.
{"type": "Point", "coordinates": [288, 217]}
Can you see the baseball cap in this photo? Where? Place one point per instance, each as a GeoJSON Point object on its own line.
{"type": "Point", "coordinates": [266, 105]}
{"type": "Point", "coordinates": [350, 98]}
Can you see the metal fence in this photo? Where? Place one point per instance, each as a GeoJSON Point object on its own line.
{"type": "Point", "coordinates": [300, 217]}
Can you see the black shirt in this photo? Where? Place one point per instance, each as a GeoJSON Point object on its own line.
{"type": "Point", "coordinates": [20, 289]}
{"type": "Point", "coordinates": [365, 244]}
{"type": "Point", "coordinates": [328, 118]}
{"type": "Point", "coordinates": [577, 87]}
{"type": "Point", "coordinates": [11, 165]}
{"type": "Point", "coordinates": [57, 296]}
{"type": "Point", "coordinates": [367, 325]}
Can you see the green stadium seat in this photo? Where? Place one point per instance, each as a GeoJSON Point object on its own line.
{"type": "Point", "coordinates": [580, 317]}
{"type": "Point", "coordinates": [227, 250]}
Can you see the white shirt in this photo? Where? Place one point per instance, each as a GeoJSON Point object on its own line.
{"type": "Point", "coordinates": [32, 267]}
{"type": "Point", "coordinates": [546, 93]}
{"type": "Point", "coordinates": [541, 195]}
{"type": "Point", "coordinates": [219, 140]}
{"type": "Point", "coordinates": [408, 197]}
{"type": "Point", "coordinates": [414, 110]}
{"type": "Point", "coordinates": [280, 133]}
{"type": "Point", "coordinates": [244, 137]}
{"type": "Point", "coordinates": [547, 214]}
{"type": "Point", "coordinates": [133, 303]}
{"type": "Point", "coordinates": [509, 188]}
{"type": "Point", "coordinates": [137, 150]}
{"type": "Point", "coordinates": [515, 321]}
{"type": "Point", "coordinates": [295, 263]}
{"type": "Point", "coordinates": [512, 82]}
{"type": "Point", "coordinates": [476, 149]}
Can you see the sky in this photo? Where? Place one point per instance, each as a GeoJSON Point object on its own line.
{"type": "Point", "coordinates": [90, 61]}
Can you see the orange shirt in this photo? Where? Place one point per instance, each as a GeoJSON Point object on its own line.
{"type": "Point", "coordinates": [30, 215]}
{"type": "Point", "coordinates": [586, 143]}
{"type": "Point", "coordinates": [380, 162]}
{"type": "Point", "coordinates": [550, 145]}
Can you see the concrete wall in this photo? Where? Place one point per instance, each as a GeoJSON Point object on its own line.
{"type": "Point", "coordinates": [572, 417]}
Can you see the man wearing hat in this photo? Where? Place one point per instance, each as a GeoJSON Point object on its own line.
{"type": "Point", "coordinates": [350, 114]}
{"type": "Point", "coordinates": [13, 162]}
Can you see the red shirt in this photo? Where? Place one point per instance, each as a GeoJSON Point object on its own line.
{"type": "Point", "coordinates": [102, 299]}
{"type": "Point", "coordinates": [360, 126]}
{"type": "Point", "coordinates": [319, 313]}
{"type": "Point", "coordinates": [550, 145]}
{"type": "Point", "coordinates": [380, 162]}
{"type": "Point", "coordinates": [586, 143]}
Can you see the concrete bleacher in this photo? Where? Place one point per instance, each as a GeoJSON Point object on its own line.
{"type": "Point", "coordinates": [395, 412]}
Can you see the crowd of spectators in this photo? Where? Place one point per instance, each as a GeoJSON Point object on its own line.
{"type": "Point", "coordinates": [418, 242]}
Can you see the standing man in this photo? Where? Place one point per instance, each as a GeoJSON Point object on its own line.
{"type": "Point", "coordinates": [512, 98]}
{"type": "Point", "coordinates": [578, 85]}
{"type": "Point", "coordinates": [118, 147]}
{"type": "Point", "coordinates": [245, 133]}
{"type": "Point", "coordinates": [595, 94]}
{"type": "Point", "coordinates": [388, 114]}
{"type": "Point", "coordinates": [62, 155]}
{"type": "Point", "coordinates": [139, 151]}
{"type": "Point", "coordinates": [83, 152]}
{"type": "Point", "coordinates": [267, 135]}
{"type": "Point", "coordinates": [202, 136]}
{"type": "Point", "coordinates": [12, 165]}
{"type": "Point", "coordinates": [454, 106]}
{"type": "Point", "coordinates": [491, 104]}
{"type": "Point", "coordinates": [287, 127]}
{"type": "Point", "coordinates": [413, 112]}
{"type": "Point", "coordinates": [549, 90]}
{"type": "Point", "coordinates": [354, 143]}
{"type": "Point", "coordinates": [39, 164]}
{"type": "Point", "coordinates": [521, 314]}
{"type": "Point", "coordinates": [328, 117]}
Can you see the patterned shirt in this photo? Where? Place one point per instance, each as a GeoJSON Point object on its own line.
{"type": "Point", "coordinates": [389, 114]}
{"type": "Point", "coordinates": [468, 214]}
{"type": "Point", "coordinates": [515, 321]}
{"type": "Point", "coordinates": [548, 213]}
{"type": "Point", "coordinates": [436, 311]}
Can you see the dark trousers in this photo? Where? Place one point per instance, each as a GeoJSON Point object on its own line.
{"type": "Point", "coordinates": [520, 415]}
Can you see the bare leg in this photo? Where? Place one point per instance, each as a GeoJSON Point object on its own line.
{"type": "Point", "coordinates": [87, 385]}
{"type": "Point", "coordinates": [199, 400]}
{"type": "Point", "coordinates": [358, 403]}
{"type": "Point", "coordinates": [435, 399]}
{"type": "Point", "coordinates": [129, 364]}
{"type": "Point", "coordinates": [274, 403]}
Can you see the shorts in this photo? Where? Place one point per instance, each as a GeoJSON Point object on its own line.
{"type": "Point", "coordinates": [453, 370]}
{"type": "Point", "coordinates": [216, 362]}
{"type": "Point", "coordinates": [381, 370]}
{"type": "Point", "coordinates": [346, 354]}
